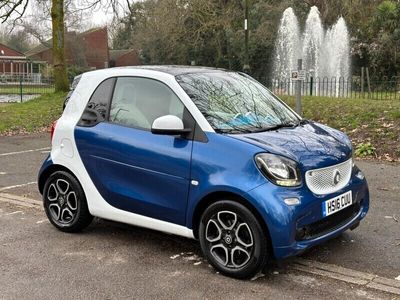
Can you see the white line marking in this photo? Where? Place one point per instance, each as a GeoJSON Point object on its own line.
{"type": "Point", "coordinates": [16, 186]}
{"type": "Point", "coordinates": [14, 213]}
{"type": "Point", "coordinates": [25, 151]}
{"type": "Point", "coordinates": [42, 221]}
{"type": "Point", "coordinates": [3, 173]}
{"type": "Point", "coordinates": [347, 275]}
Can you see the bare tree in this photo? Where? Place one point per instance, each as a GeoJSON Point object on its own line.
{"type": "Point", "coordinates": [14, 10]}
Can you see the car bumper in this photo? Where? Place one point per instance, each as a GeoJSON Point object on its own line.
{"type": "Point", "coordinates": [293, 229]}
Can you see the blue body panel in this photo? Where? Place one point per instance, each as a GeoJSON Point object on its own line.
{"type": "Point", "coordinates": [137, 171]}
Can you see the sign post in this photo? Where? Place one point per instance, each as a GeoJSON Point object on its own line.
{"type": "Point", "coordinates": [299, 76]}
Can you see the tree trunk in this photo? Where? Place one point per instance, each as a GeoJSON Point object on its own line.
{"type": "Point", "coordinates": [60, 70]}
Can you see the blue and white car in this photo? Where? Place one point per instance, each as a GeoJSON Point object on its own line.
{"type": "Point", "coordinates": [202, 153]}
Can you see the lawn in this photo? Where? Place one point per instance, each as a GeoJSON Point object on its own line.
{"type": "Point", "coordinates": [369, 123]}
{"type": "Point", "coordinates": [373, 125]}
{"type": "Point", "coordinates": [31, 116]}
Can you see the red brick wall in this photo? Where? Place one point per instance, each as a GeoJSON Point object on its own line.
{"type": "Point", "coordinates": [45, 55]}
{"type": "Point", "coordinates": [96, 48]}
{"type": "Point", "coordinates": [128, 59]}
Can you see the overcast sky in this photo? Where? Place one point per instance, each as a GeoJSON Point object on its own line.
{"type": "Point", "coordinates": [99, 15]}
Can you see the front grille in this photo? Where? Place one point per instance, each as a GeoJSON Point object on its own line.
{"type": "Point", "coordinates": [330, 179]}
{"type": "Point", "coordinates": [327, 224]}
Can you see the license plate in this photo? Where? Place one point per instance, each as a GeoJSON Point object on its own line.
{"type": "Point", "coordinates": [336, 204]}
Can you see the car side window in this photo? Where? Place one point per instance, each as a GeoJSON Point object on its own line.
{"type": "Point", "coordinates": [97, 108]}
{"type": "Point", "coordinates": [137, 102]}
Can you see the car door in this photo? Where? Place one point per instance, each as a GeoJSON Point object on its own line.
{"type": "Point", "coordinates": [132, 168]}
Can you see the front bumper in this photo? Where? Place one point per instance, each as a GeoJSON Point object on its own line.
{"type": "Point", "coordinates": [293, 229]}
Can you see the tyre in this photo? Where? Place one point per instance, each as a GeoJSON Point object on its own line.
{"type": "Point", "coordinates": [233, 240]}
{"type": "Point", "coordinates": [65, 202]}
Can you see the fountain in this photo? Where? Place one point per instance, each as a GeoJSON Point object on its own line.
{"type": "Point", "coordinates": [325, 53]}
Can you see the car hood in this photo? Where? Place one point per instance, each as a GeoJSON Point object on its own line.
{"type": "Point", "coordinates": [312, 145]}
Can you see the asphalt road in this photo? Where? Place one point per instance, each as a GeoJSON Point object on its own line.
{"type": "Point", "coordinates": [113, 261]}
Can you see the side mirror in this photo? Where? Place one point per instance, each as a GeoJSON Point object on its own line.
{"type": "Point", "coordinates": [169, 125]}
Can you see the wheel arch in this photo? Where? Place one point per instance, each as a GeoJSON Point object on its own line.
{"type": "Point", "coordinates": [46, 173]}
{"type": "Point", "coordinates": [217, 196]}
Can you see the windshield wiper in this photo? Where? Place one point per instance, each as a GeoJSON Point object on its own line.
{"type": "Point", "coordinates": [275, 127]}
{"type": "Point", "coordinates": [232, 130]}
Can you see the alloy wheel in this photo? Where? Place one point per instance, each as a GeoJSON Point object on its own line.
{"type": "Point", "coordinates": [62, 202]}
{"type": "Point", "coordinates": [230, 239]}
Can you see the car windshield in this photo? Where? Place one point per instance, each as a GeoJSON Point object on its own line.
{"type": "Point", "coordinates": [235, 103]}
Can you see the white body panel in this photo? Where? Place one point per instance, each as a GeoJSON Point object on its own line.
{"type": "Point", "coordinates": [64, 134]}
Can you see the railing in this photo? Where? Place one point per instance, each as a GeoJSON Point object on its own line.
{"type": "Point", "coordinates": [19, 89]}
{"type": "Point", "coordinates": [338, 87]}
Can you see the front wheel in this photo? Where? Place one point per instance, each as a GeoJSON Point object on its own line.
{"type": "Point", "coordinates": [65, 202]}
{"type": "Point", "coordinates": [233, 240]}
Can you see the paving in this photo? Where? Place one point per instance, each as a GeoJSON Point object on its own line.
{"type": "Point", "coordinates": [16, 98]}
{"type": "Point", "coordinates": [113, 261]}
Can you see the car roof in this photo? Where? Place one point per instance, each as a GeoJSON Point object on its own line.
{"type": "Point", "coordinates": [176, 70]}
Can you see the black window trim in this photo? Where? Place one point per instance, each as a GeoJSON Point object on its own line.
{"type": "Point", "coordinates": [197, 133]}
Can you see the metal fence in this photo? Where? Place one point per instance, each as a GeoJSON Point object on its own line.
{"type": "Point", "coordinates": [340, 87]}
{"type": "Point", "coordinates": [18, 88]}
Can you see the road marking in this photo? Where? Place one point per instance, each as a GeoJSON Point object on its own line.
{"type": "Point", "coordinates": [42, 221]}
{"type": "Point", "coordinates": [14, 213]}
{"type": "Point", "coordinates": [24, 151]}
{"type": "Point", "coordinates": [20, 201]}
{"type": "Point", "coordinates": [347, 275]}
{"type": "Point", "coordinates": [3, 173]}
{"type": "Point", "coordinates": [16, 186]}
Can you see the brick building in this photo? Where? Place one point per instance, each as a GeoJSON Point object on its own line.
{"type": "Point", "coordinates": [87, 49]}
{"type": "Point", "coordinates": [13, 62]}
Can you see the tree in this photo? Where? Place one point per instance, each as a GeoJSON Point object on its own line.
{"type": "Point", "coordinates": [60, 68]}
{"type": "Point", "coordinates": [18, 40]}
{"type": "Point", "coordinates": [15, 9]}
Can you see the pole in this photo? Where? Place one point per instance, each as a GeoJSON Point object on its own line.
{"type": "Point", "coordinates": [362, 82]}
{"type": "Point", "coordinates": [20, 86]}
{"type": "Point", "coordinates": [368, 82]}
{"type": "Point", "coordinates": [298, 88]}
{"type": "Point", "coordinates": [246, 66]}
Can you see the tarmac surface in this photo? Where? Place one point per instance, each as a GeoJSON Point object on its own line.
{"type": "Point", "coordinates": [113, 261]}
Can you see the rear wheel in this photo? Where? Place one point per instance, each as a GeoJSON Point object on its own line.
{"type": "Point", "coordinates": [65, 202]}
{"type": "Point", "coordinates": [233, 240]}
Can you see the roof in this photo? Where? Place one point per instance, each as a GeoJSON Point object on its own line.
{"type": "Point", "coordinates": [41, 47]}
{"type": "Point", "coordinates": [177, 70]}
{"type": "Point", "coordinates": [115, 54]}
{"type": "Point", "coordinates": [7, 50]}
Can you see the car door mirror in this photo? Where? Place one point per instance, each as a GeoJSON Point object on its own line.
{"type": "Point", "coordinates": [169, 125]}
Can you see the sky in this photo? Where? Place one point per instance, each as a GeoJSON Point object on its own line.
{"type": "Point", "coordinates": [100, 15]}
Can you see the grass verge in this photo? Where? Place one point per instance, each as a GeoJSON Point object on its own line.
{"type": "Point", "coordinates": [31, 116]}
{"type": "Point", "coordinates": [373, 125]}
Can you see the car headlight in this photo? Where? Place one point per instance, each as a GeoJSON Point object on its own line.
{"type": "Point", "coordinates": [280, 170]}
